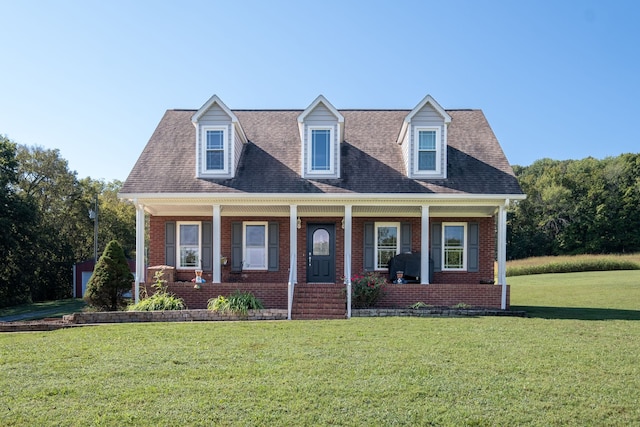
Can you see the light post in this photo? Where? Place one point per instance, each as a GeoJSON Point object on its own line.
{"type": "Point", "coordinates": [93, 214]}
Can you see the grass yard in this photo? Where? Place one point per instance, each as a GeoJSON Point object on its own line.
{"type": "Point", "coordinates": [595, 295]}
{"type": "Point", "coordinates": [40, 310]}
{"type": "Point", "coordinates": [552, 369]}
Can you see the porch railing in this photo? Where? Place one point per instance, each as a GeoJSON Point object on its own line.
{"type": "Point", "coordinates": [347, 279]}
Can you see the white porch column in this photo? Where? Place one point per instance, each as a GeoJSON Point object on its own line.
{"type": "Point", "coordinates": [217, 236]}
{"type": "Point", "coordinates": [293, 251]}
{"type": "Point", "coordinates": [140, 273]}
{"type": "Point", "coordinates": [347, 254]}
{"type": "Point", "coordinates": [424, 246]}
{"type": "Point", "coordinates": [502, 252]}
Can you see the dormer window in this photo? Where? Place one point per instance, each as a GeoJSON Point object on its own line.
{"type": "Point", "coordinates": [427, 150]}
{"type": "Point", "coordinates": [321, 158]}
{"type": "Point", "coordinates": [219, 140]}
{"type": "Point", "coordinates": [214, 149]}
{"type": "Point", "coordinates": [423, 138]}
{"type": "Point", "coordinates": [321, 131]}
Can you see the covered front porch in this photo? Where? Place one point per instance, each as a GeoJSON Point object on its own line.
{"type": "Point", "coordinates": [346, 221]}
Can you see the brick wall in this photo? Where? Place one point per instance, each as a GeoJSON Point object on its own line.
{"type": "Point", "coordinates": [157, 242]}
{"type": "Point", "coordinates": [487, 248]}
{"type": "Point", "coordinates": [272, 295]}
{"type": "Point", "coordinates": [486, 262]}
{"type": "Point", "coordinates": [443, 295]}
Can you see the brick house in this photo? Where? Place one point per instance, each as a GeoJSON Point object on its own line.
{"type": "Point", "coordinates": [287, 203]}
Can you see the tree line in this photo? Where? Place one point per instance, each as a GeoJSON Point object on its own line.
{"type": "Point", "coordinates": [586, 206]}
{"type": "Point", "coordinates": [45, 226]}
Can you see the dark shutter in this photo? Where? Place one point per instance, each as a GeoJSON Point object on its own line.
{"type": "Point", "coordinates": [436, 245]}
{"type": "Point", "coordinates": [236, 246]}
{"type": "Point", "coordinates": [170, 243]}
{"type": "Point", "coordinates": [473, 247]}
{"type": "Point", "coordinates": [207, 246]}
{"type": "Point", "coordinates": [369, 246]}
{"type": "Point", "coordinates": [405, 237]}
{"type": "Point", "coordinates": [274, 246]}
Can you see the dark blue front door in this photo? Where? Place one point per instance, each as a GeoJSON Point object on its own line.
{"type": "Point", "coordinates": [321, 253]}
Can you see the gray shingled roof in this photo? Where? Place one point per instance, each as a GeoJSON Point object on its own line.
{"type": "Point", "coordinates": [371, 160]}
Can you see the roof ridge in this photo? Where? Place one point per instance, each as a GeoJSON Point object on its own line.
{"type": "Point", "coordinates": [339, 109]}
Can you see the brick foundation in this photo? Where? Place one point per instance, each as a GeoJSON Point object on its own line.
{"type": "Point", "coordinates": [443, 295]}
{"type": "Point", "coordinates": [272, 295]}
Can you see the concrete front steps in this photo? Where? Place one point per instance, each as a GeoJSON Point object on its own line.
{"type": "Point", "coordinates": [319, 301]}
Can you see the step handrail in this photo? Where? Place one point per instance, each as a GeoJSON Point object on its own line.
{"type": "Point", "coordinates": [291, 285]}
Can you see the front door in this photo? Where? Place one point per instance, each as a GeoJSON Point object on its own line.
{"type": "Point", "coordinates": [321, 253]}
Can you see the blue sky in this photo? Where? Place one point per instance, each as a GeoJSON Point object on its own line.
{"type": "Point", "coordinates": [557, 79]}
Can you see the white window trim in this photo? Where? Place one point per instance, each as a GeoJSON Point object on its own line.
{"type": "Point", "coordinates": [245, 265]}
{"type": "Point", "coordinates": [179, 244]}
{"type": "Point", "coordinates": [225, 148]}
{"type": "Point", "coordinates": [416, 140]}
{"type": "Point", "coordinates": [309, 152]}
{"type": "Point", "coordinates": [465, 248]}
{"type": "Point", "coordinates": [375, 253]}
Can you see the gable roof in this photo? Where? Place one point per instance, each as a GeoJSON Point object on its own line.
{"type": "Point", "coordinates": [215, 100]}
{"type": "Point", "coordinates": [428, 100]}
{"type": "Point", "coordinates": [371, 160]}
{"type": "Point", "coordinates": [321, 100]}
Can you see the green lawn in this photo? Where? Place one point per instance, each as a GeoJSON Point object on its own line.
{"type": "Point", "coordinates": [594, 295]}
{"type": "Point", "coordinates": [40, 310]}
{"type": "Point", "coordinates": [544, 370]}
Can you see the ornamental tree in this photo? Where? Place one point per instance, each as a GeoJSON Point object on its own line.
{"type": "Point", "coordinates": [110, 280]}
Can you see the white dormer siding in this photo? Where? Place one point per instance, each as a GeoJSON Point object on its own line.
{"type": "Point", "coordinates": [423, 139]}
{"type": "Point", "coordinates": [219, 140]}
{"type": "Point", "coordinates": [321, 131]}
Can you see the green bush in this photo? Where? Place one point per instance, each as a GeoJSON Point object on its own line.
{"type": "Point", "coordinates": [237, 303]}
{"type": "Point", "coordinates": [110, 280]}
{"type": "Point", "coordinates": [161, 300]}
{"type": "Point", "coordinates": [576, 265]}
{"type": "Point", "coordinates": [367, 289]}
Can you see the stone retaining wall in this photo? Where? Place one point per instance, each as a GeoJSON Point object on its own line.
{"type": "Point", "coordinates": [84, 319]}
{"type": "Point", "coordinates": [170, 316]}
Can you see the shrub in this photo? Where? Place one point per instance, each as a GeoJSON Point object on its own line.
{"type": "Point", "coordinates": [420, 305]}
{"type": "Point", "coordinates": [110, 280]}
{"type": "Point", "coordinates": [161, 300]}
{"type": "Point", "coordinates": [367, 289]}
{"type": "Point", "coordinates": [461, 305]}
{"type": "Point", "coordinates": [237, 303]}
